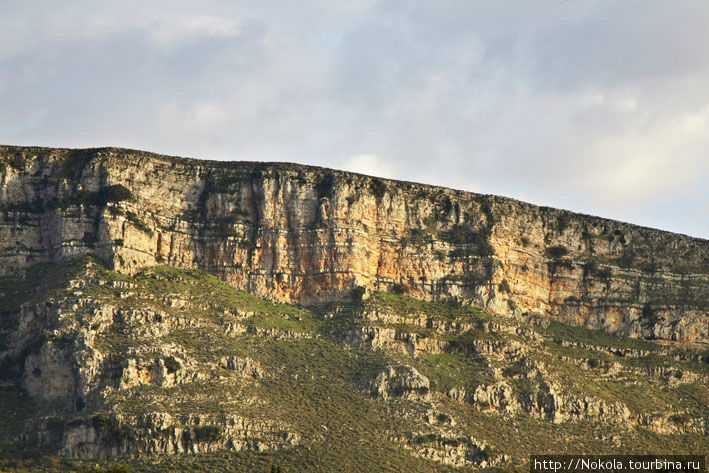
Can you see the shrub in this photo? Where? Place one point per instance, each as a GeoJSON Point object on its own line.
{"type": "Point", "coordinates": [515, 369]}
{"type": "Point", "coordinates": [650, 267]}
{"type": "Point", "coordinates": [325, 186]}
{"type": "Point", "coordinates": [119, 468]}
{"type": "Point", "coordinates": [679, 419]}
{"type": "Point", "coordinates": [556, 252]}
{"type": "Point", "coordinates": [504, 286]}
{"type": "Point", "coordinates": [16, 161]}
{"type": "Point", "coordinates": [138, 223]}
{"type": "Point", "coordinates": [207, 433]}
{"type": "Point", "coordinates": [378, 188]}
{"type": "Point", "coordinates": [447, 205]}
{"type": "Point", "coordinates": [115, 193]}
{"type": "Point", "coordinates": [417, 237]}
{"type": "Point", "coordinates": [565, 263]}
{"type": "Point", "coordinates": [172, 365]}
{"type": "Point", "coordinates": [648, 316]}
{"type": "Point", "coordinates": [358, 293]}
{"type": "Point", "coordinates": [589, 269]}
{"type": "Point", "coordinates": [464, 234]}
{"type": "Point", "coordinates": [399, 289]}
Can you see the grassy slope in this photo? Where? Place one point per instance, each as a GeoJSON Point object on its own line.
{"type": "Point", "coordinates": [317, 384]}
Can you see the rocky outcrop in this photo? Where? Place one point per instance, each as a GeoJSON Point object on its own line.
{"type": "Point", "coordinates": [243, 366]}
{"type": "Point", "coordinates": [454, 450]}
{"type": "Point", "coordinates": [401, 382]}
{"type": "Point", "coordinates": [301, 234]}
{"type": "Point", "coordinates": [161, 433]}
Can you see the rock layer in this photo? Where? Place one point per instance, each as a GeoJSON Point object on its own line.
{"type": "Point", "coordinates": [302, 234]}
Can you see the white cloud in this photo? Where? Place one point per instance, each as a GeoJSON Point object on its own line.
{"type": "Point", "coordinates": [667, 159]}
{"type": "Point", "coordinates": [169, 32]}
{"type": "Point", "coordinates": [582, 105]}
{"type": "Point", "coordinates": [192, 118]}
{"type": "Point", "coordinates": [369, 164]}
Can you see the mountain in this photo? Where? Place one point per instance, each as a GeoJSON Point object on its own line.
{"type": "Point", "coordinates": [185, 314]}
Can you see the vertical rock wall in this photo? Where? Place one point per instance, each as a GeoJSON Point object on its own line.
{"type": "Point", "coordinates": [303, 234]}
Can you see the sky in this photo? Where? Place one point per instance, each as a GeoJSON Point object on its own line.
{"type": "Point", "coordinates": [596, 106]}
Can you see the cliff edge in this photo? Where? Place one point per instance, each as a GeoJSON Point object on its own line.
{"type": "Point", "coordinates": [301, 234]}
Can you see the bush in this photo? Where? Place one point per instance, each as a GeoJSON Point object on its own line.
{"type": "Point", "coordinates": [399, 289]}
{"type": "Point", "coordinates": [115, 193]}
{"type": "Point", "coordinates": [504, 286]}
{"type": "Point", "coordinates": [325, 186]}
{"type": "Point", "coordinates": [207, 433]}
{"type": "Point", "coordinates": [358, 293]}
{"type": "Point", "coordinates": [172, 365]}
{"type": "Point", "coordinates": [417, 237]}
{"type": "Point", "coordinates": [464, 234]}
{"type": "Point", "coordinates": [119, 468]}
{"type": "Point", "coordinates": [378, 188]}
{"type": "Point", "coordinates": [564, 263]}
{"type": "Point", "coordinates": [648, 316]}
{"type": "Point", "coordinates": [556, 252]}
{"type": "Point", "coordinates": [138, 223]}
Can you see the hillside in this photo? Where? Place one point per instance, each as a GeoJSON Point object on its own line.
{"type": "Point", "coordinates": [183, 314]}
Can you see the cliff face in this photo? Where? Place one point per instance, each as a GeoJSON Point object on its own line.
{"type": "Point", "coordinates": [301, 234]}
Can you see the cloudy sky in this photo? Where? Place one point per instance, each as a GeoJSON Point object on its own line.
{"type": "Point", "coordinates": [596, 106]}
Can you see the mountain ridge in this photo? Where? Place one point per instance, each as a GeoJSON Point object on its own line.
{"type": "Point", "coordinates": [294, 165]}
{"type": "Point", "coordinates": [173, 315]}
{"type": "Point", "coordinates": [297, 233]}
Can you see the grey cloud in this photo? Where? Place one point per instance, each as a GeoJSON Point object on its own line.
{"type": "Point", "coordinates": [596, 106]}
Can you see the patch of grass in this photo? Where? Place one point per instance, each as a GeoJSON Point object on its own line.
{"type": "Point", "coordinates": [398, 304]}
{"type": "Point", "coordinates": [41, 282]}
{"type": "Point", "coordinates": [302, 323]}
{"type": "Point", "coordinates": [560, 331]}
{"type": "Point", "coordinates": [450, 370]}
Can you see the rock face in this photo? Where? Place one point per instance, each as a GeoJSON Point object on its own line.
{"type": "Point", "coordinates": [401, 382]}
{"type": "Point", "coordinates": [301, 234]}
{"type": "Point", "coordinates": [97, 364]}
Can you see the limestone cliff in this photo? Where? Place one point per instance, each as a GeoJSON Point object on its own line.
{"type": "Point", "coordinates": [295, 233]}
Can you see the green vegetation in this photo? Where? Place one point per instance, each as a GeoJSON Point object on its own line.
{"type": "Point", "coordinates": [559, 331]}
{"type": "Point", "coordinates": [475, 241]}
{"type": "Point", "coordinates": [418, 237]}
{"type": "Point", "coordinates": [325, 187]}
{"type": "Point", "coordinates": [451, 370]}
{"type": "Point", "coordinates": [316, 384]}
{"type": "Point", "coordinates": [556, 252]}
{"type": "Point", "coordinates": [172, 365]}
{"type": "Point", "coordinates": [411, 307]}
{"type": "Point", "coordinates": [378, 188]}
{"type": "Point", "coordinates": [207, 433]}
